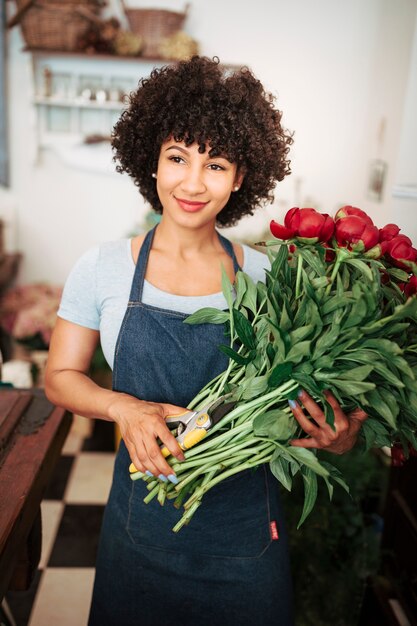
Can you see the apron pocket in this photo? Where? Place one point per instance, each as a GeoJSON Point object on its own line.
{"type": "Point", "coordinates": [233, 520]}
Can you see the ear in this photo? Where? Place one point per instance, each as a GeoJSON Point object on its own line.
{"type": "Point", "coordinates": [240, 175]}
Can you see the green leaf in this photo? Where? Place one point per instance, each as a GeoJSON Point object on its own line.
{"type": "Point", "coordinates": [274, 424]}
{"type": "Point", "coordinates": [362, 267]}
{"type": "Point", "coordinates": [352, 388]}
{"type": "Point", "coordinates": [359, 373]}
{"type": "Point", "coordinates": [375, 434]}
{"type": "Point", "coordinates": [227, 288]}
{"type": "Point", "coordinates": [408, 309]}
{"type": "Point", "coordinates": [400, 275]}
{"type": "Point", "coordinates": [381, 407]}
{"type": "Point", "coordinates": [313, 261]}
{"type": "Point", "coordinates": [401, 364]}
{"type": "Point", "coordinates": [324, 362]}
{"type": "Point", "coordinates": [299, 351]}
{"type": "Point", "coordinates": [319, 283]}
{"type": "Point", "coordinates": [239, 359]}
{"type": "Point", "coordinates": [281, 470]}
{"type": "Point", "coordinates": [270, 353]}
{"type": "Point", "coordinates": [335, 475]}
{"type": "Point", "coordinates": [280, 373]}
{"type": "Point", "coordinates": [208, 315]}
{"type": "Point", "coordinates": [310, 493]}
{"type": "Point", "coordinates": [299, 334]}
{"type": "Point", "coordinates": [308, 383]}
{"type": "Point", "coordinates": [280, 261]}
{"type": "Point", "coordinates": [254, 387]}
{"type": "Point", "coordinates": [329, 413]}
{"type": "Point", "coordinates": [244, 330]}
{"type": "Point", "coordinates": [326, 340]}
{"type": "Point", "coordinates": [337, 302]}
{"type": "Point", "coordinates": [385, 346]}
{"type": "Point", "coordinates": [387, 374]}
{"type": "Point", "coordinates": [282, 338]}
{"type": "Point", "coordinates": [250, 295]}
{"type": "Point", "coordinates": [240, 287]}
{"type": "Point", "coordinates": [285, 322]}
{"type": "Point", "coordinates": [304, 368]}
{"type": "Point", "coordinates": [308, 458]}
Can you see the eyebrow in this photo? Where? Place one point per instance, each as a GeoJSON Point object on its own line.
{"type": "Point", "coordinates": [185, 151]}
{"type": "Point", "coordinates": [176, 147]}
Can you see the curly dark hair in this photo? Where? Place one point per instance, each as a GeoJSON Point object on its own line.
{"type": "Point", "coordinates": [199, 101]}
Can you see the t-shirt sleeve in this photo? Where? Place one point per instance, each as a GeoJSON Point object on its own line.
{"type": "Point", "coordinates": [79, 298]}
{"type": "Point", "coordinates": [255, 263]}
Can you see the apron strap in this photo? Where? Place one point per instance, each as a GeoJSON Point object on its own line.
{"type": "Point", "coordinates": [140, 270]}
{"type": "Point", "coordinates": [142, 262]}
{"type": "Point", "coordinates": [228, 247]}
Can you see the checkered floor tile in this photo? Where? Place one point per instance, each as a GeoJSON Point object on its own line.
{"type": "Point", "coordinates": [72, 511]}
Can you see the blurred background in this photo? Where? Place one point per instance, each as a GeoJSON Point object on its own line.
{"type": "Point", "coordinates": [345, 76]}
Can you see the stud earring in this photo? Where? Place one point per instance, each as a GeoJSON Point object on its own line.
{"type": "Point", "coordinates": [153, 175]}
{"type": "Point", "coordinates": [236, 188]}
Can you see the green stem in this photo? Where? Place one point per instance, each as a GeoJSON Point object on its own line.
{"type": "Point", "coordinates": [151, 495]}
{"type": "Point", "coordinates": [298, 279]}
{"type": "Point", "coordinates": [341, 255]}
{"type": "Point", "coordinates": [263, 457]}
{"type": "Point", "coordinates": [186, 517]}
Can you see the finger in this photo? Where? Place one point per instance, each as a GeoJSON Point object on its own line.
{"type": "Point", "coordinates": [340, 419]}
{"type": "Point", "coordinates": [172, 409]}
{"type": "Point", "coordinates": [143, 458]}
{"type": "Point", "coordinates": [305, 443]}
{"type": "Point", "coordinates": [135, 459]}
{"type": "Point", "coordinates": [312, 407]}
{"type": "Point", "coordinates": [358, 414]}
{"type": "Point", "coordinates": [306, 424]}
{"type": "Point", "coordinates": [156, 457]}
{"type": "Point", "coordinates": [171, 443]}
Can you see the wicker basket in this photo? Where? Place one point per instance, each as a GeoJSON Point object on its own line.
{"type": "Point", "coordinates": [54, 25]}
{"type": "Point", "coordinates": [153, 25]}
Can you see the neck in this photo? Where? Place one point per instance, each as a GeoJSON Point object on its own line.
{"type": "Point", "coordinates": [183, 241]}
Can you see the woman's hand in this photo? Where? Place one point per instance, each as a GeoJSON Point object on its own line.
{"type": "Point", "coordinates": [140, 424]}
{"type": "Point", "coordinates": [322, 435]}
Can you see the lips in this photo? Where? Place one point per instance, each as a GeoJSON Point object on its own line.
{"type": "Point", "coordinates": [190, 206]}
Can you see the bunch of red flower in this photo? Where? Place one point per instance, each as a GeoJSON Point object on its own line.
{"type": "Point", "coordinates": [354, 230]}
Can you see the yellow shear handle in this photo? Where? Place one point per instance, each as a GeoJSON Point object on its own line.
{"type": "Point", "coordinates": [132, 467]}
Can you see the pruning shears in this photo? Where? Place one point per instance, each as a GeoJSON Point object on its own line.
{"type": "Point", "coordinates": [193, 426]}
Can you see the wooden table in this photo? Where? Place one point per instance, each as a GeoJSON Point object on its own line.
{"type": "Point", "coordinates": [32, 433]}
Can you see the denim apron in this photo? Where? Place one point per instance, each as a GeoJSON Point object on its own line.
{"type": "Point", "coordinates": [229, 566]}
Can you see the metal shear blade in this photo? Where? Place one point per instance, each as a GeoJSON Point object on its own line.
{"type": "Point", "coordinates": [193, 426]}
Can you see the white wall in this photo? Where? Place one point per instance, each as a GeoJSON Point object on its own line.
{"type": "Point", "coordinates": [340, 71]}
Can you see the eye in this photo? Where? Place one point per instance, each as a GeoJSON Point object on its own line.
{"type": "Point", "coordinates": [176, 159]}
{"type": "Point", "coordinates": [216, 167]}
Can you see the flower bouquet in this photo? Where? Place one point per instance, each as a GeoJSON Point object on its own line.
{"type": "Point", "coordinates": [28, 314]}
{"type": "Point", "coordinates": [337, 312]}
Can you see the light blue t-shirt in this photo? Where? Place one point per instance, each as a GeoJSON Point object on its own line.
{"type": "Point", "coordinates": [97, 290]}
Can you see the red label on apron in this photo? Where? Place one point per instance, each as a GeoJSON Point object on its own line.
{"type": "Point", "coordinates": [274, 530]}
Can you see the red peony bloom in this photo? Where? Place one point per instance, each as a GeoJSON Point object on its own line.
{"type": "Point", "coordinates": [355, 232]}
{"type": "Point", "coordinates": [388, 232]}
{"type": "Point", "coordinates": [348, 211]}
{"type": "Point", "coordinates": [400, 248]}
{"type": "Point", "coordinates": [307, 224]}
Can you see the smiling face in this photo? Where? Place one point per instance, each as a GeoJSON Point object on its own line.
{"type": "Point", "coordinates": [193, 187]}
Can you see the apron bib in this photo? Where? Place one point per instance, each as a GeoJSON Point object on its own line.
{"type": "Point", "coordinates": [227, 567]}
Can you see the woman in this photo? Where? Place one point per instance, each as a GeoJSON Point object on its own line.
{"type": "Point", "coordinates": [204, 149]}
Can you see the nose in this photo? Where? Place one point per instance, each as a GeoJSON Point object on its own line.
{"type": "Point", "coordinates": [193, 181]}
